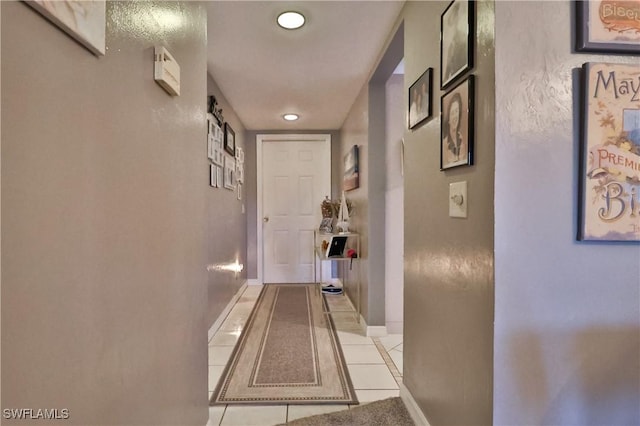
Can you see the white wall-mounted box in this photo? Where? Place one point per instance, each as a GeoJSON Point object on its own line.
{"type": "Point", "coordinates": [166, 71]}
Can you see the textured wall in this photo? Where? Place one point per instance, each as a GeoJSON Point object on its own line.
{"type": "Point", "coordinates": [104, 182]}
{"type": "Point", "coordinates": [567, 338]}
{"type": "Point", "coordinates": [448, 297]}
{"type": "Point", "coordinates": [355, 132]}
{"type": "Point", "coordinates": [394, 201]}
{"type": "Point", "coordinates": [227, 225]}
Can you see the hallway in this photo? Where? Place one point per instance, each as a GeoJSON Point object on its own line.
{"type": "Point", "coordinates": [375, 366]}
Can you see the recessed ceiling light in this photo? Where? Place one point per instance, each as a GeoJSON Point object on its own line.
{"type": "Point", "coordinates": [291, 20]}
{"type": "Point", "coordinates": [291, 117]}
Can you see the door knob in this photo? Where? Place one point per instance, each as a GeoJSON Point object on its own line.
{"type": "Point", "coordinates": [265, 219]}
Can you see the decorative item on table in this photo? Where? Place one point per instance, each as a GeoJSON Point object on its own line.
{"type": "Point", "coordinates": [343, 216]}
{"type": "Point", "coordinates": [326, 226]}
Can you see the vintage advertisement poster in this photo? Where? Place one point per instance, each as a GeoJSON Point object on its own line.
{"type": "Point", "coordinates": [611, 153]}
{"type": "Point", "coordinates": [614, 21]}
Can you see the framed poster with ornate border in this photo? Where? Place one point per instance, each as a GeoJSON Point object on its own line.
{"type": "Point", "coordinates": [608, 26]}
{"type": "Point", "coordinates": [351, 178]}
{"type": "Point", "coordinates": [610, 142]}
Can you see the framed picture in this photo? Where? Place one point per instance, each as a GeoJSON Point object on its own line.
{"type": "Point", "coordinates": [219, 176]}
{"type": "Point", "coordinates": [605, 26]}
{"type": "Point", "coordinates": [610, 148]}
{"type": "Point", "coordinates": [351, 178]}
{"type": "Point", "coordinates": [229, 139]}
{"type": "Point", "coordinates": [420, 99]}
{"type": "Point", "coordinates": [213, 176]}
{"type": "Point", "coordinates": [229, 172]}
{"type": "Point", "coordinates": [456, 142]}
{"type": "Point", "coordinates": [457, 39]}
{"type": "Point", "coordinates": [85, 21]}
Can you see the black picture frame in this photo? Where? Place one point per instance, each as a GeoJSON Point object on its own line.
{"type": "Point", "coordinates": [456, 148]}
{"type": "Point", "coordinates": [351, 177]}
{"type": "Point", "coordinates": [420, 105]}
{"type": "Point", "coordinates": [457, 41]}
{"type": "Point", "coordinates": [599, 30]}
{"type": "Point", "coordinates": [229, 139]}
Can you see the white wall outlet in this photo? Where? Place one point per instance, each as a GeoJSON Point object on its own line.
{"type": "Point", "coordinates": [458, 199]}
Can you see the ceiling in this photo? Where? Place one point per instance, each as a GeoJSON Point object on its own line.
{"type": "Point", "coordinates": [265, 71]}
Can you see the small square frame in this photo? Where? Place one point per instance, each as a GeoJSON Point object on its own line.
{"type": "Point", "coordinates": [229, 139]}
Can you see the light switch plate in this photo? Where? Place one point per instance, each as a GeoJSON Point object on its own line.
{"type": "Point", "coordinates": [458, 199]}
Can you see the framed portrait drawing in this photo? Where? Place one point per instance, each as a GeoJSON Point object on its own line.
{"type": "Point", "coordinates": [229, 139]}
{"type": "Point", "coordinates": [608, 26]}
{"type": "Point", "coordinates": [420, 99]}
{"type": "Point", "coordinates": [351, 179]}
{"type": "Point", "coordinates": [610, 148]}
{"type": "Point", "coordinates": [456, 142]}
{"type": "Point", "coordinates": [457, 40]}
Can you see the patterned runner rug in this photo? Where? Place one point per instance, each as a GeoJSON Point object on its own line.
{"type": "Point", "coordinates": [288, 353]}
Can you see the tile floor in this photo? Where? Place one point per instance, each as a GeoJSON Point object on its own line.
{"type": "Point", "coordinates": [374, 364]}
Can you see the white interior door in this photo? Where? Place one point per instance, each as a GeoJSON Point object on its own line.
{"type": "Point", "coordinates": [296, 176]}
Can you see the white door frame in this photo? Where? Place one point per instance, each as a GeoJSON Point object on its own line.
{"type": "Point", "coordinates": [260, 139]}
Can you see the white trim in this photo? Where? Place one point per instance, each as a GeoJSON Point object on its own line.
{"type": "Point", "coordinates": [253, 281]}
{"type": "Point", "coordinates": [395, 327]}
{"type": "Point", "coordinates": [415, 412]}
{"type": "Point", "coordinates": [223, 315]}
{"type": "Point", "coordinates": [372, 330]}
{"type": "Point", "coordinates": [260, 139]}
{"type": "Point", "coordinates": [376, 331]}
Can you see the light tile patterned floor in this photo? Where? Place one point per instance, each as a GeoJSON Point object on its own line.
{"type": "Point", "coordinates": [374, 364]}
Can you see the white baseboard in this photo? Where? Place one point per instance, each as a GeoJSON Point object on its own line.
{"type": "Point", "coordinates": [216, 325]}
{"type": "Point", "coordinates": [376, 331]}
{"type": "Point", "coordinates": [412, 407]}
{"type": "Point", "coordinates": [372, 330]}
{"type": "Point", "coordinates": [253, 281]}
{"type": "Point", "coordinates": [395, 327]}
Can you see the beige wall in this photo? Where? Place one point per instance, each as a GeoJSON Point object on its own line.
{"type": "Point", "coordinates": [448, 267]}
{"type": "Point", "coordinates": [104, 184]}
{"type": "Point", "coordinates": [227, 225]}
{"type": "Point", "coordinates": [567, 321]}
{"type": "Point", "coordinates": [355, 131]}
{"type": "Point", "coordinates": [449, 276]}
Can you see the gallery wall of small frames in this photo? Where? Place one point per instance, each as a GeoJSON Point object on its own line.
{"type": "Point", "coordinates": [226, 168]}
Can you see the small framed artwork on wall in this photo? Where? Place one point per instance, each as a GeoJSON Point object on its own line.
{"type": "Point", "coordinates": [456, 146]}
{"type": "Point", "coordinates": [607, 26]}
{"type": "Point", "coordinates": [457, 40]}
{"type": "Point", "coordinates": [229, 139]}
{"type": "Point", "coordinates": [420, 99]}
{"type": "Point", "coordinates": [351, 179]}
